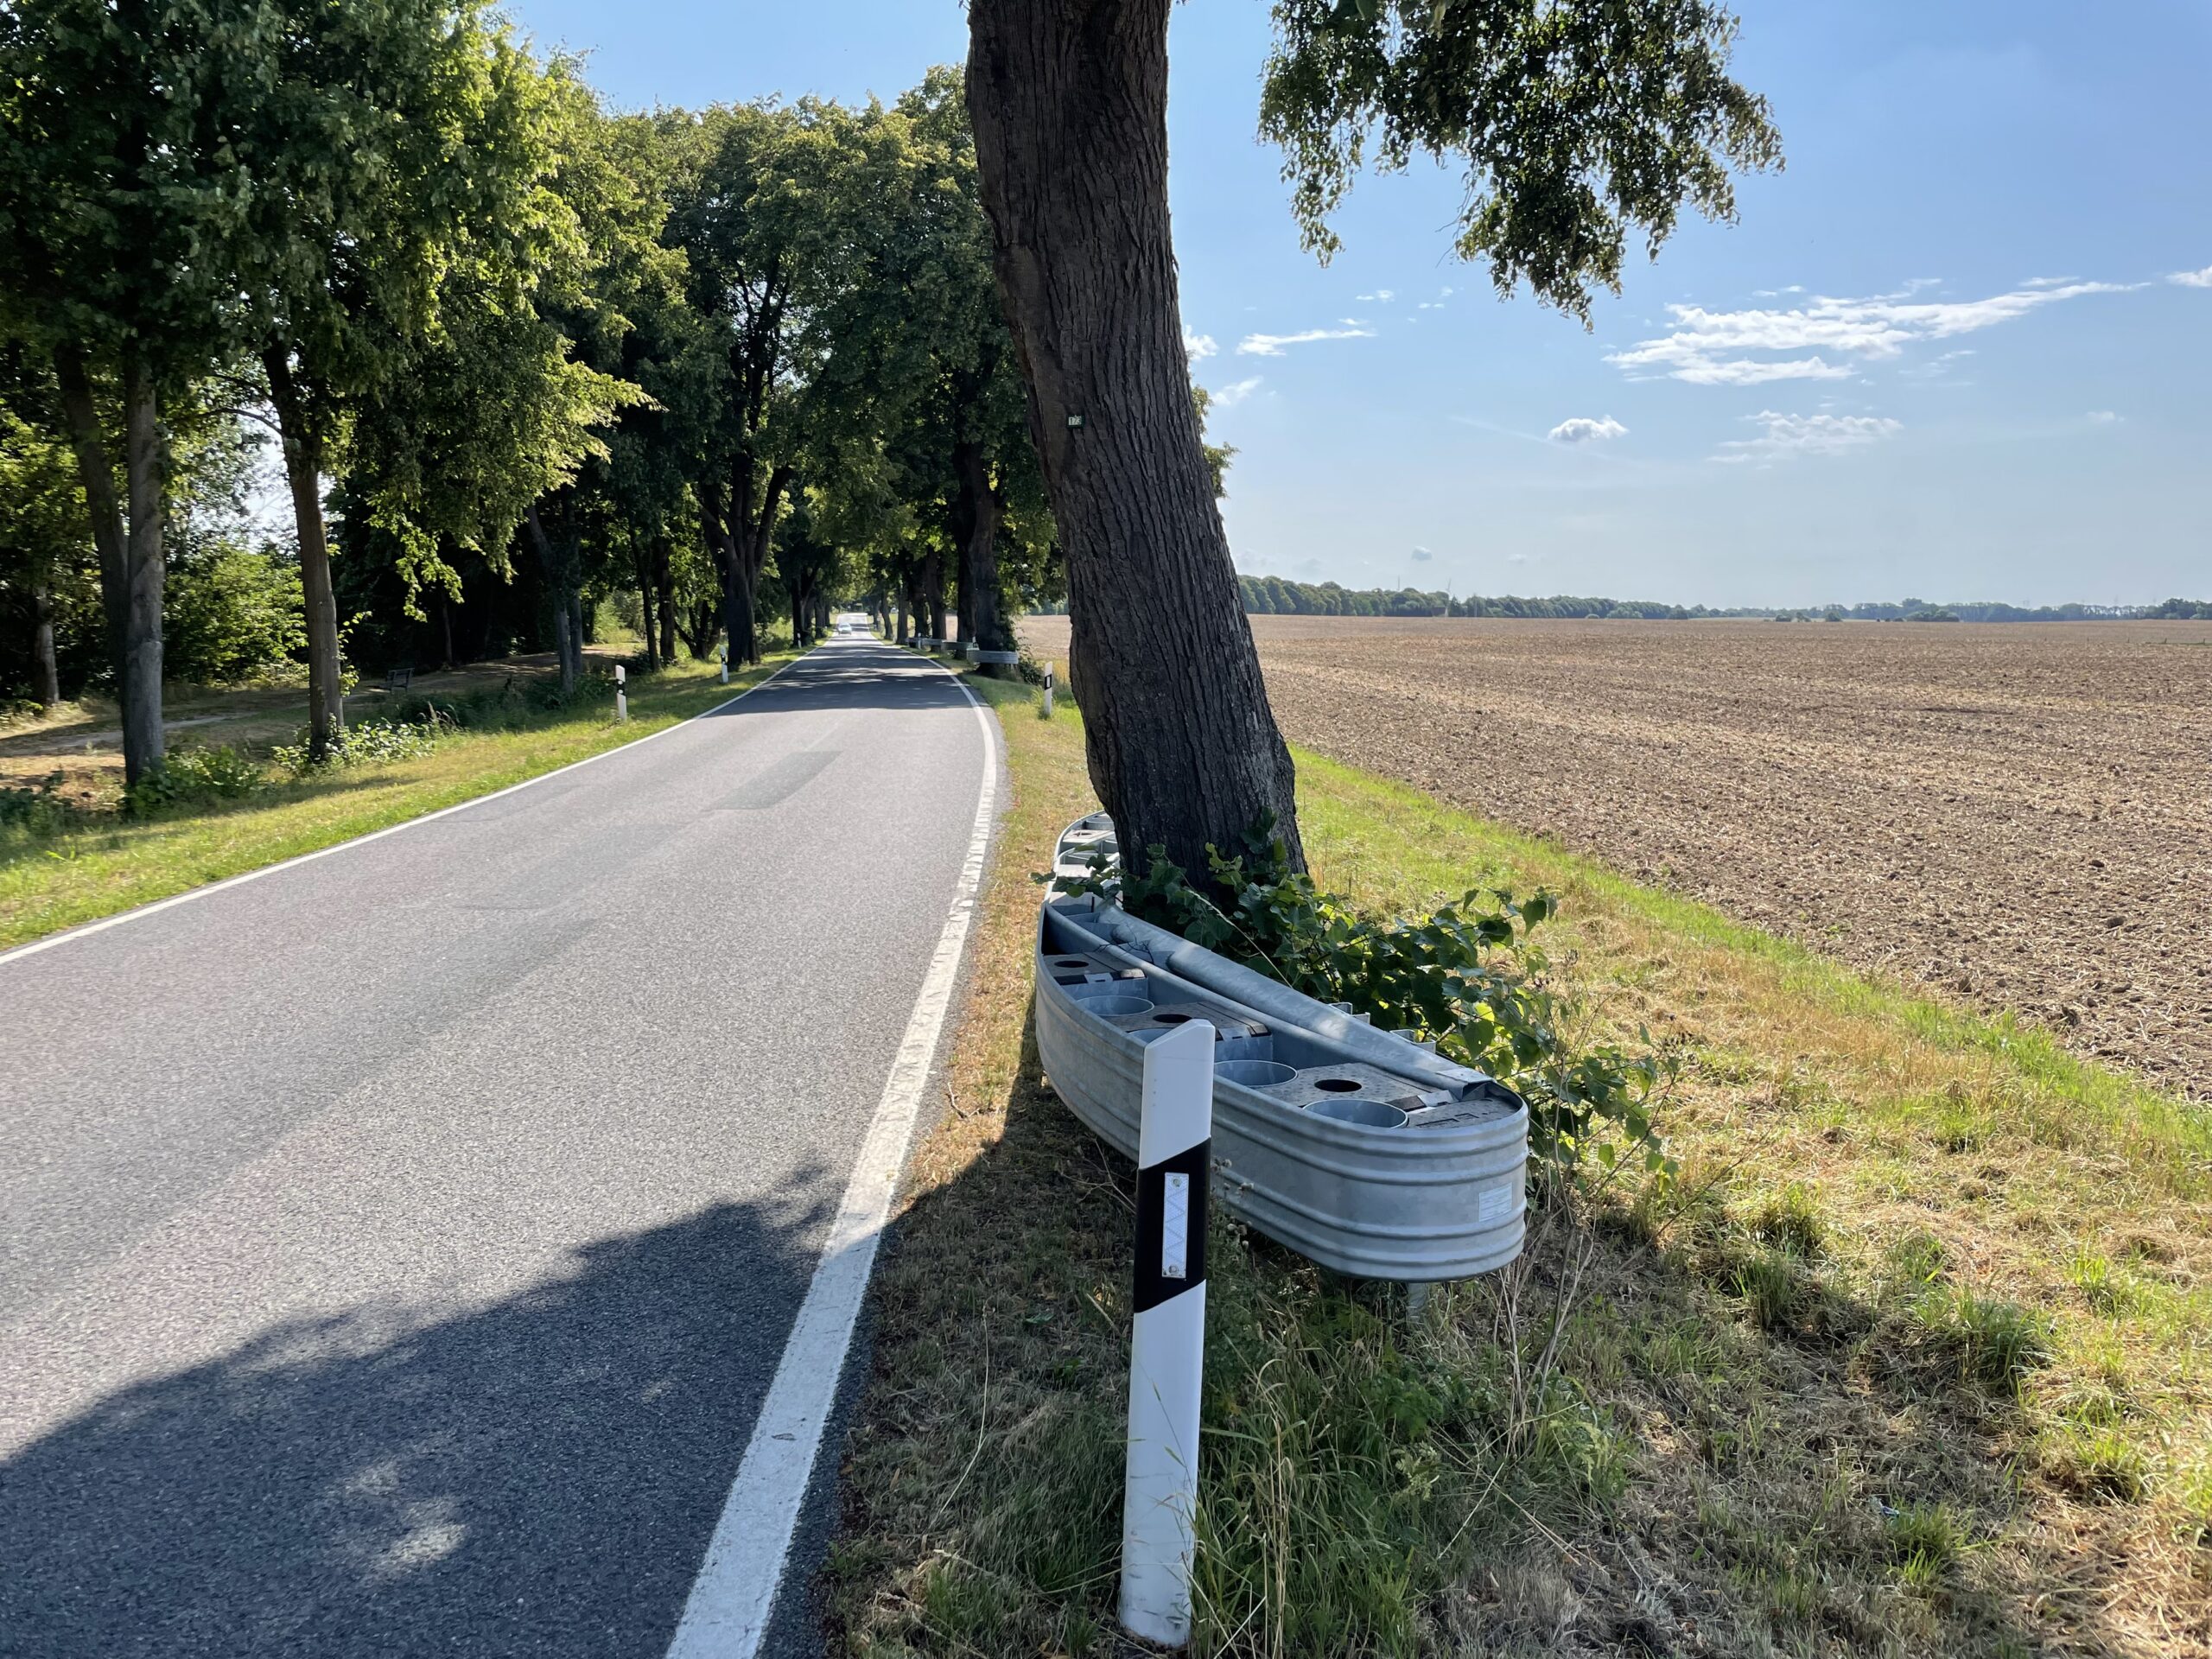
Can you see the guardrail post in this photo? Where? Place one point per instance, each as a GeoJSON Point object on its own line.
{"type": "Point", "coordinates": [1167, 1341]}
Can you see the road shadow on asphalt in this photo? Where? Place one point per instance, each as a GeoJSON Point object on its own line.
{"type": "Point", "coordinates": [846, 677]}
{"type": "Point", "coordinates": [539, 1476]}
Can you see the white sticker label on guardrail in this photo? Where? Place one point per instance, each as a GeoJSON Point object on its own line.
{"type": "Point", "coordinates": [1175, 1229]}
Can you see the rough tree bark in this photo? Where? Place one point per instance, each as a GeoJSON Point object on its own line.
{"type": "Point", "coordinates": [746, 533]}
{"type": "Point", "coordinates": [1069, 99]}
{"type": "Point", "coordinates": [302, 444]}
{"type": "Point", "coordinates": [143, 571]}
{"type": "Point", "coordinates": [568, 642]}
{"type": "Point", "coordinates": [118, 543]}
{"type": "Point", "coordinates": [665, 584]}
{"type": "Point", "coordinates": [977, 508]}
{"type": "Point", "coordinates": [46, 672]}
{"type": "Point", "coordinates": [641, 562]}
{"type": "Point", "coordinates": [929, 598]}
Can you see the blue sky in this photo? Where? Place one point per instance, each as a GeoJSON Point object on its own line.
{"type": "Point", "coordinates": [1947, 352]}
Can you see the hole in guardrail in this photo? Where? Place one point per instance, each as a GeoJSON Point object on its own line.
{"type": "Point", "coordinates": [1254, 1074]}
{"type": "Point", "coordinates": [1369, 1114]}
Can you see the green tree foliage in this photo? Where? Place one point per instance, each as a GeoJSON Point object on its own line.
{"type": "Point", "coordinates": [234, 613]}
{"type": "Point", "coordinates": [1576, 125]}
{"type": "Point", "coordinates": [120, 203]}
{"type": "Point", "coordinates": [409, 226]}
{"type": "Point", "coordinates": [49, 593]}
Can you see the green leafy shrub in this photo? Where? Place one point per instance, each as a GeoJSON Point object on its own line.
{"type": "Point", "coordinates": [191, 776]}
{"type": "Point", "coordinates": [231, 615]}
{"type": "Point", "coordinates": [364, 743]}
{"type": "Point", "coordinates": [1467, 977]}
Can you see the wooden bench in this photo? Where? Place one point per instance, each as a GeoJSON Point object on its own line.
{"type": "Point", "coordinates": [399, 679]}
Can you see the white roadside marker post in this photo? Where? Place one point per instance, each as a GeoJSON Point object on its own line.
{"type": "Point", "coordinates": [722, 652]}
{"type": "Point", "coordinates": [1167, 1343]}
{"type": "Point", "coordinates": [1048, 690]}
{"type": "Point", "coordinates": [621, 694]}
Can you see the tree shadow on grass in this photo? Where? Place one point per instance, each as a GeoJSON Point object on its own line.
{"type": "Point", "coordinates": [539, 1476]}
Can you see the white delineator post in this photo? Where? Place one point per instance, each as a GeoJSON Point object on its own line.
{"type": "Point", "coordinates": [621, 693]}
{"type": "Point", "coordinates": [1048, 690]}
{"type": "Point", "coordinates": [722, 652]}
{"type": "Point", "coordinates": [1167, 1345]}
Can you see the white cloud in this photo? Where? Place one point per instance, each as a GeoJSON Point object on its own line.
{"type": "Point", "coordinates": [2103, 417]}
{"type": "Point", "coordinates": [1422, 555]}
{"type": "Point", "coordinates": [1235, 392]}
{"type": "Point", "coordinates": [1714, 348]}
{"type": "Point", "coordinates": [1582, 429]}
{"type": "Point", "coordinates": [1938, 366]}
{"type": "Point", "coordinates": [2193, 279]}
{"type": "Point", "coordinates": [1197, 347]}
{"type": "Point", "coordinates": [1271, 345]}
{"type": "Point", "coordinates": [1786, 436]}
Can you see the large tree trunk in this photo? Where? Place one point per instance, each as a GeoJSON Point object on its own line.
{"type": "Point", "coordinates": [1069, 99]}
{"type": "Point", "coordinates": [665, 584]}
{"type": "Point", "coordinates": [641, 561]}
{"type": "Point", "coordinates": [46, 672]}
{"type": "Point", "coordinates": [976, 511]}
{"type": "Point", "coordinates": [566, 646]}
{"type": "Point", "coordinates": [725, 545]}
{"type": "Point", "coordinates": [303, 442]}
{"type": "Point", "coordinates": [104, 507]}
{"type": "Point", "coordinates": [127, 535]}
{"type": "Point", "coordinates": [932, 597]}
{"type": "Point", "coordinates": [753, 531]}
{"type": "Point", "coordinates": [144, 742]}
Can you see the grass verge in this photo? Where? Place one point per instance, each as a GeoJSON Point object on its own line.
{"type": "Point", "coordinates": [1912, 1361]}
{"type": "Point", "coordinates": [76, 866]}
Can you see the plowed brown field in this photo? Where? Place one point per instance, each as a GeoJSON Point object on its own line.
{"type": "Point", "coordinates": [2020, 814]}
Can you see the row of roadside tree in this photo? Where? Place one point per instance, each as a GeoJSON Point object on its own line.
{"type": "Point", "coordinates": [721, 362]}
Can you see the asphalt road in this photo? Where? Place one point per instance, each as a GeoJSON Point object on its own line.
{"type": "Point", "coordinates": [395, 1250]}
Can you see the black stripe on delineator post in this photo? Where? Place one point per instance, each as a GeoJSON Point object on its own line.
{"type": "Point", "coordinates": [1153, 1287]}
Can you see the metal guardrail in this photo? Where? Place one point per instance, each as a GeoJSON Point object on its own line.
{"type": "Point", "coordinates": [1356, 1148]}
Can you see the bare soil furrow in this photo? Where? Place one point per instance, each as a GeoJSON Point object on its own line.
{"type": "Point", "coordinates": [2020, 816]}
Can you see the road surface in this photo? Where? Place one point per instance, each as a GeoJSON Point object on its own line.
{"type": "Point", "coordinates": [396, 1249]}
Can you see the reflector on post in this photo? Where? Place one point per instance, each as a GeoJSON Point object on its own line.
{"type": "Point", "coordinates": [1168, 1339]}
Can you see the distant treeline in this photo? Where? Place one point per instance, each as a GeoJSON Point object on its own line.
{"type": "Point", "coordinates": [1920, 610]}
{"type": "Point", "coordinates": [1278, 596]}
{"type": "Point", "coordinates": [1274, 596]}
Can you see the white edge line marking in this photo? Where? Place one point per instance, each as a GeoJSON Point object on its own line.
{"type": "Point", "coordinates": [243, 876]}
{"type": "Point", "coordinates": [727, 1613]}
